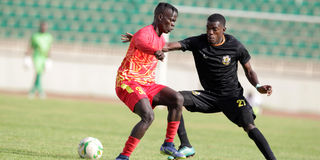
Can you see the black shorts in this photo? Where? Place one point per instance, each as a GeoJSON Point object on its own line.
{"type": "Point", "coordinates": [237, 108]}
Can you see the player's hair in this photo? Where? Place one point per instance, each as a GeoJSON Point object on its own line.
{"type": "Point", "coordinates": [42, 22]}
{"type": "Point", "coordinates": [162, 7]}
{"type": "Point", "coordinates": [217, 17]}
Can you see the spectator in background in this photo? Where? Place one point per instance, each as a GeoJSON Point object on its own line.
{"type": "Point", "coordinates": [39, 52]}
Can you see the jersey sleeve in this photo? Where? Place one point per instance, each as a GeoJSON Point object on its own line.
{"type": "Point", "coordinates": [244, 55]}
{"type": "Point", "coordinates": [188, 43]}
{"type": "Point", "coordinates": [143, 42]}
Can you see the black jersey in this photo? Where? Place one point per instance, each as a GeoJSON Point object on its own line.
{"type": "Point", "coordinates": [217, 66]}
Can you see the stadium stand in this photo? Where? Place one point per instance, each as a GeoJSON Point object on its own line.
{"type": "Point", "coordinates": [102, 21]}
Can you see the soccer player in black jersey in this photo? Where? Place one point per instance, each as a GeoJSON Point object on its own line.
{"type": "Point", "coordinates": [216, 56]}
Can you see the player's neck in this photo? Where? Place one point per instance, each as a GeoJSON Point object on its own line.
{"type": "Point", "coordinates": [223, 39]}
{"type": "Point", "coordinates": [156, 28]}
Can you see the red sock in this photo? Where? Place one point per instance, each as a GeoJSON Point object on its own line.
{"type": "Point", "coordinates": [172, 129]}
{"type": "Point", "coordinates": [131, 144]}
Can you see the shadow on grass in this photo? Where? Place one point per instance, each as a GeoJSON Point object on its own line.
{"type": "Point", "coordinates": [36, 154]}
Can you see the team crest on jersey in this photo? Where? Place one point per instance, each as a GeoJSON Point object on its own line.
{"type": "Point", "coordinates": [195, 93]}
{"type": "Point", "coordinates": [226, 60]}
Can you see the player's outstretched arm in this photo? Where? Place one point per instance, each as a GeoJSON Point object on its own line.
{"type": "Point", "coordinates": [253, 79]}
{"type": "Point", "coordinates": [171, 46]}
{"type": "Point", "coordinates": [126, 37]}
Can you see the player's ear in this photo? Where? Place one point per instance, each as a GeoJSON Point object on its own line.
{"type": "Point", "coordinates": [224, 29]}
{"type": "Point", "coordinates": [160, 17]}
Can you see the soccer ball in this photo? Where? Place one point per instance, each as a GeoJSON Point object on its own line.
{"type": "Point", "coordinates": [90, 148]}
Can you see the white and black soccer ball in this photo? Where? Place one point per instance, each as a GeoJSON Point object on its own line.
{"type": "Point", "coordinates": [90, 148]}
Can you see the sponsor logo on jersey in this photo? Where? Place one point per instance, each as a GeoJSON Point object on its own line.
{"type": "Point", "coordinates": [226, 60]}
{"type": "Point", "coordinates": [195, 93]}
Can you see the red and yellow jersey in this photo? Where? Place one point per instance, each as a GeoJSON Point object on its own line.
{"type": "Point", "coordinates": [139, 63]}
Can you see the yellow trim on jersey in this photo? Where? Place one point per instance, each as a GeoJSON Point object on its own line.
{"type": "Point", "coordinates": [219, 44]}
{"type": "Point", "coordinates": [127, 88]}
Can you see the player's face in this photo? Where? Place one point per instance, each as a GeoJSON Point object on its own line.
{"type": "Point", "coordinates": [215, 32]}
{"type": "Point", "coordinates": [167, 21]}
{"type": "Point", "coordinates": [43, 27]}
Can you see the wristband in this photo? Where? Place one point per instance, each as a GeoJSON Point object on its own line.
{"type": "Point", "coordinates": [258, 85]}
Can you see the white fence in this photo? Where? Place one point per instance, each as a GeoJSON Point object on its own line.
{"type": "Point", "coordinates": [77, 71]}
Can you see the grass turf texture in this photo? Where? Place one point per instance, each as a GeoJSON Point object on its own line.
{"type": "Point", "coordinates": [53, 128]}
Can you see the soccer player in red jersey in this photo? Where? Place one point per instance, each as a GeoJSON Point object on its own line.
{"type": "Point", "coordinates": [136, 87]}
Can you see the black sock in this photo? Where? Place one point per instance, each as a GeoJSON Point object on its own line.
{"type": "Point", "coordinates": [262, 143]}
{"type": "Point", "coordinates": [182, 133]}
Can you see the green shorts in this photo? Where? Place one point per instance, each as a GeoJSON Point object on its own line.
{"type": "Point", "coordinates": [39, 63]}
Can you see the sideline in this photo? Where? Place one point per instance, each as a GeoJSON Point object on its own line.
{"type": "Point", "coordinates": [267, 112]}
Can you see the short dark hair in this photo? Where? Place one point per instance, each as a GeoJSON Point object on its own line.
{"type": "Point", "coordinates": [217, 17]}
{"type": "Point", "coordinates": [43, 22]}
{"type": "Point", "coordinates": [162, 6]}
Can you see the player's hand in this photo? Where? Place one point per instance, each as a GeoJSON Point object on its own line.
{"type": "Point", "coordinates": [48, 64]}
{"type": "Point", "coordinates": [27, 62]}
{"type": "Point", "coordinates": [159, 55]}
{"type": "Point", "coordinates": [126, 37]}
{"type": "Point", "coordinates": [265, 89]}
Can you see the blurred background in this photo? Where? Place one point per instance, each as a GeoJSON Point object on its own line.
{"type": "Point", "coordinates": [282, 36]}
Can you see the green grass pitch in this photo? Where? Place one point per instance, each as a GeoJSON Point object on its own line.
{"type": "Point", "coordinates": [52, 128]}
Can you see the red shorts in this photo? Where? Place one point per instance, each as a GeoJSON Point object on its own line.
{"type": "Point", "coordinates": [130, 92]}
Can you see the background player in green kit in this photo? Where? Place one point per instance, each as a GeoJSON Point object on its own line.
{"type": "Point", "coordinates": [39, 51]}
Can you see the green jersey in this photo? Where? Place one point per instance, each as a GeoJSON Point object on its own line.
{"type": "Point", "coordinates": [41, 44]}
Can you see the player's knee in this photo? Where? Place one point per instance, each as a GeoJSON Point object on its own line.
{"type": "Point", "coordinates": [148, 117]}
{"type": "Point", "coordinates": [248, 127]}
{"type": "Point", "coordinates": [178, 100]}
